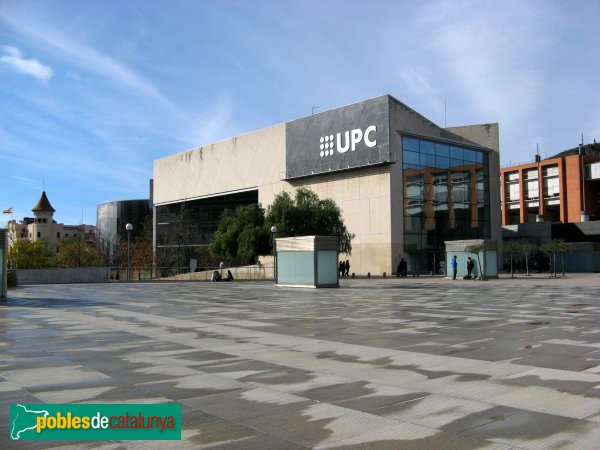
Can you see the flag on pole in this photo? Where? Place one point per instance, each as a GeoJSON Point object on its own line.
{"type": "Point", "coordinates": [7, 211]}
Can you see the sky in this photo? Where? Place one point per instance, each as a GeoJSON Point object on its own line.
{"type": "Point", "coordinates": [92, 92]}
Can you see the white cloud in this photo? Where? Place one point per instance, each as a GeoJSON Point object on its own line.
{"type": "Point", "coordinates": [213, 124]}
{"type": "Point", "coordinates": [28, 181]}
{"type": "Point", "coordinates": [417, 83]}
{"type": "Point", "coordinates": [493, 53]}
{"type": "Point", "coordinates": [88, 58]}
{"type": "Point", "coordinates": [13, 59]}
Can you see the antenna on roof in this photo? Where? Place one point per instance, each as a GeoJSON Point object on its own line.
{"type": "Point", "coordinates": [537, 155]}
{"type": "Point", "coordinates": [581, 138]}
{"type": "Point", "coordinates": [444, 111]}
{"type": "Point", "coordinates": [313, 109]}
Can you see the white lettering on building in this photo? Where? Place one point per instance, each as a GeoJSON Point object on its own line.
{"type": "Point", "coordinates": [347, 141]}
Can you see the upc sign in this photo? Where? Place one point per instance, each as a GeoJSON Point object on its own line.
{"type": "Point", "coordinates": [347, 141]}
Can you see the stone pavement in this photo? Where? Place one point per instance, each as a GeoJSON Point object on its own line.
{"type": "Point", "coordinates": [417, 363]}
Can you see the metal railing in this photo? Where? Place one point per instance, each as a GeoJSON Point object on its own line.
{"type": "Point", "coordinates": [254, 272]}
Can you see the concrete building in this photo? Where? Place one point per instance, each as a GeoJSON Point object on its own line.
{"type": "Point", "coordinates": [404, 184]}
{"type": "Point", "coordinates": [551, 189]}
{"type": "Point", "coordinates": [43, 227]}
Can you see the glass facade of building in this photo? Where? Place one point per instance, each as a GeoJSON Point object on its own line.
{"type": "Point", "coordinates": [111, 218]}
{"type": "Point", "coordinates": [446, 194]}
{"type": "Point", "coordinates": [184, 229]}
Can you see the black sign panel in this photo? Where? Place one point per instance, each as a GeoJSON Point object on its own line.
{"type": "Point", "coordinates": [345, 138]}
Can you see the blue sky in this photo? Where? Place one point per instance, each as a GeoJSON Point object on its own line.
{"type": "Point", "coordinates": [91, 92]}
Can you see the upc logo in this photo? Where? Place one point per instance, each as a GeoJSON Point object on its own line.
{"type": "Point", "coordinates": [347, 141]}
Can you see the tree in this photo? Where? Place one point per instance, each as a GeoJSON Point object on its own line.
{"type": "Point", "coordinates": [552, 248]}
{"type": "Point", "coordinates": [307, 215]}
{"type": "Point", "coordinates": [142, 254]}
{"type": "Point", "coordinates": [527, 248]}
{"type": "Point", "coordinates": [477, 249]}
{"type": "Point", "coordinates": [241, 233]}
{"type": "Point", "coordinates": [512, 247]}
{"type": "Point", "coordinates": [25, 254]}
{"type": "Point", "coordinates": [77, 253]}
{"type": "Point", "coordinates": [564, 247]}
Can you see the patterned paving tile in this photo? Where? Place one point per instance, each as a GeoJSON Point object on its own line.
{"type": "Point", "coordinates": [418, 363]}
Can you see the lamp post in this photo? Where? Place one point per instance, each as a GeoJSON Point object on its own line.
{"type": "Point", "coordinates": [128, 227]}
{"type": "Point", "coordinates": [274, 231]}
{"type": "Point", "coordinates": [584, 214]}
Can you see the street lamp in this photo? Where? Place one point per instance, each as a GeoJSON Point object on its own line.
{"type": "Point", "coordinates": [584, 214]}
{"type": "Point", "coordinates": [274, 231]}
{"type": "Point", "coordinates": [128, 227]}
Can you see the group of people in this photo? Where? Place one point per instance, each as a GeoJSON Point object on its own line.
{"type": "Point", "coordinates": [216, 276]}
{"type": "Point", "coordinates": [344, 268]}
{"type": "Point", "coordinates": [470, 267]}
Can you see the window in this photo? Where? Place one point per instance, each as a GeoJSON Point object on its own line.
{"type": "Point", "coordinates": [533, 190]}
{"type": "Point", "coordinates": [470, 155]}
{"type": "Point", "coordinates": [531, 174]}
{"type": "Point", "coordinates": [552, 187]}
{"type": "Point", "coordinates": [410, 144]}
{"type": "Point", "coordinates": [411, 158]}
{"type": "Point", "coordinates": [58, 234]}
{"type": "Point", "coordinates": [39, 234]}
{"type": "Point", "coordinates": [514, 194]}
{"type": "Point", "coordinates": [446, 194]}
{"type": "Point", "coordinates": [511, 177]}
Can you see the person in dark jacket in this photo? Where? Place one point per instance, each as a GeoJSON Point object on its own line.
{"type": "Point", "coordinates": [402, 267]}
{"type": "Point", "coordinates": [470, 266]}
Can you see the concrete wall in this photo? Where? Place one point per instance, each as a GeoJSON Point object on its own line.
{"type": "Point", "coordinates": [363, 196]}
{"type": "Point", "coordinates": [62, 276]}
{"type": "Point", "coordinates": [254, 160]}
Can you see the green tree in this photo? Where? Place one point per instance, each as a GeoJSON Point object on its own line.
{"type": "Point", "coordinates": [76, 253]}
{"type": "Point", "coordinates": [552, 248]}
{"type": "Point", "coordinates": [564, 247]}
{"type": "Point", "coordinates": [527, 249]}
{"type": "Point", "coordinates": [29, 255]}
{"type": "Point", "coordinates": [307, 215]}
{"type": "Point", "coordinates": [142, 254]}
{"type": "Point", "coordinates": [241, 233]}
{"type": "Point", "coordinates": [512, 248]}
{"type": "Point", "coordinates": [477, 249]}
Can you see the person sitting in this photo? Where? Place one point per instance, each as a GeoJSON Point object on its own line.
{"type": "Point", "coordinates": [216, 276]}
{"type": "Point", "coordinates": [229, 276]}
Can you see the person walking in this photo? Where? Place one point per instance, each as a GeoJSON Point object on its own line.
{"type": "Point", "coordinates": [347, 268]}
{"type": "Point", "coordinates": [454, 265]}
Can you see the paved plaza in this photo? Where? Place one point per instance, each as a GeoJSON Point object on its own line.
{"type": "Point", "coordinates": [417, 363]}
